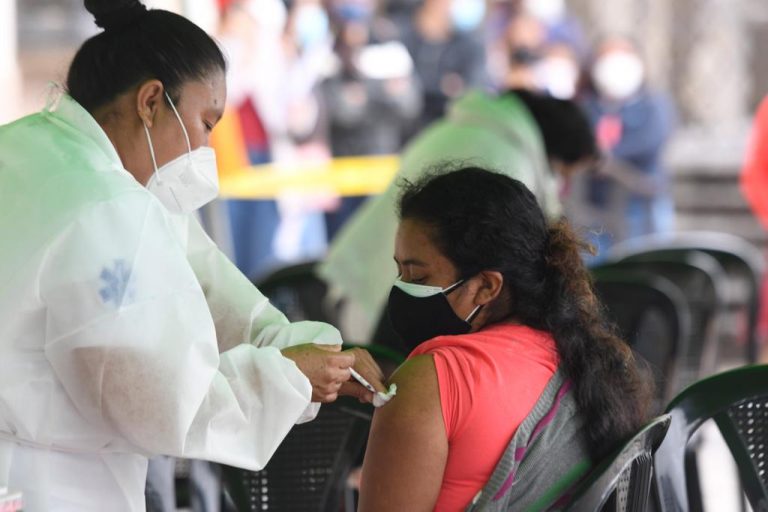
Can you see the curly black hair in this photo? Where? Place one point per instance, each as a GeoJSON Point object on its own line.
{"type": "Point", "coordinates": [482, 220]}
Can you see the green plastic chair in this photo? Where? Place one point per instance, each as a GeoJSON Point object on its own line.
{"type": "Point", "coordinates": [704, 283]}
{"type": "Point", "coordinates": [622, 483]}
{"type": "Point", "coordinates": [299, 293]}
{"type": "Point", "coordinates": [738, 402]}
{"type": "Point", "coordinates": [308, 471]}
{"type": "Point", "coordinates": [652, 315]}
{"type": "Point", "coordinates": [742, 262]}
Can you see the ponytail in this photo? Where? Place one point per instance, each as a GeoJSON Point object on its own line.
{"type": "Point", "coordinates": [612, 390]}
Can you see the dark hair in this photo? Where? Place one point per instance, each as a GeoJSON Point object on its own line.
{"type": "Point", "coordinates": [482, 220]}
{"type": "Point", "coordinates": [564, 126]}
{"type": "Point", "coordinates": [137, 45]}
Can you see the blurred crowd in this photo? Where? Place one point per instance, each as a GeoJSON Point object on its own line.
{"type": "Point", "coordinates": [310, 80]}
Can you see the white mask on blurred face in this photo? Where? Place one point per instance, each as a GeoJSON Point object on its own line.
{"type": "Point", "coordinates": [548, 12]}
{"type": "Point", "coordinates": [618, 75]}
{"type": "Point", "coordinates": [467, 15]}
{"type": "Point", "coordinates": [557, 76]}
{"type": "Point", "coordinates": [187, 182]}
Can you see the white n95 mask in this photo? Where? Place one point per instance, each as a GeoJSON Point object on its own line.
{"type": "Point", "coordinates": [618, 75]}
{"type": "Point", "coordinates": [188, 182]}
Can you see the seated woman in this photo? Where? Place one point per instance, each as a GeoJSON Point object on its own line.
{"type": "Point", "coordinates": [498, 309]}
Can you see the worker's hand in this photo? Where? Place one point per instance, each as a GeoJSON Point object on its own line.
{"type": "Point", "coordinates": [325, 367]}
{"type": "Point", "coordinates": [369, 370]}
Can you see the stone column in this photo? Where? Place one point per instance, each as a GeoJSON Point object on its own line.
{"type": "Point", "coordinates": [715, 82]}
{"type": "Point", "coordinates": [600, 17]}
{"type": "Point", "coordinates": [656, 37]}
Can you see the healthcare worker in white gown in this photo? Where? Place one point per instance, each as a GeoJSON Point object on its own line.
{"type": "Point", "coordinates": [124, 331]}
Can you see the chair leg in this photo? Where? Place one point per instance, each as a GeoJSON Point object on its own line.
{"type": "Point", "coordinates": [742, 497]}
{"type": "Point", "coordinates": [349, 499]}
{"type": "Point", "coordinates": [692, 481]}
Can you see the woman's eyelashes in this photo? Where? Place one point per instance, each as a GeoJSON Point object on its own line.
{"type": "Point", "coordinates": [411, 279]}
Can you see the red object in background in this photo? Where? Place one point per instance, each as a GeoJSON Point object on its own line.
{"type": "Point", "coordinates": [254, 134]}
{"type": "Point", "coordinates": [754, 186]}
{"type": "Point", "coordinates": [608, 132]}
{"type": "Point", "coordinates": [754, 174]}
{"type": "Point", "coordinates": [224, 4]}
{"type": "Point", "coordinates": [10, 502]}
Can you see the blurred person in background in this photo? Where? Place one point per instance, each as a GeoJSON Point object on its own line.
{"type": "Point", "coordinates": [557, 71]}
{"type": "Point", "coordinates": [630, 195]}
{"type": "Point", "coordinates": [559, 25]}
{"type": "Point", "coordinates": [279, 57]}
{"type": "Point", "coordinates": [308, 41]}
{"type": "Point", "coordinates": [533, 44]}
{"type": "Point", "coordinates": [517, 52]}
{"type": "Point", "coordinates": [448, 53]}
{"type": "Point", "coordinates": [253, 130]}
{"type": "Point", "coordinates": [536, 139]}
{"type": "Point", "coordinates": [371, 95]}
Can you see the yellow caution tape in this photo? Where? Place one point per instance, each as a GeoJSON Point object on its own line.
{"type": "Point", "coordinates": [346, 176]}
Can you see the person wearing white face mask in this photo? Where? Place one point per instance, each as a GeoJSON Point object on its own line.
{"type": "Point", "coordinates": [630, 195]}
{"type": "Point", "coordinates": [188, 182]}
{"type": "Point", "coordinates": [448, 56]}
{"type": "Point", "coordinates": [124, 331]}
{"type": "Point", "coordinates": [496, 307]}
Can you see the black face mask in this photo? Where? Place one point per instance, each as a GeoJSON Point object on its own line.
{"type": "Point", "coordinates": [424, 312]}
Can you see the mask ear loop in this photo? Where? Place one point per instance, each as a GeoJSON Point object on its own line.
{"type": "Point", "coordinates": [453, 286]}
{"type": "Point", "coordinates": [474, 313]}
{"type": "Point", "coordinates": [151, 151]}
{"type": "Point", "coordinates": [183, 128]}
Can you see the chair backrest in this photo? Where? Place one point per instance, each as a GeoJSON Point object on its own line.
{"type": "Point", "coordinates": [738, 402]}
{"type": "Point", "coordinates": [701, 279]}
{"type": "Point", "coordinates": [652, 315]}
{"type": "Point", "coordinates": [299, 293]}
{"type": "Point", "coordinates": [742, 261]}
{"type": "Point", "coordinates": [309, 469]}
{"type": "Point", "coordinates": [622, 483]}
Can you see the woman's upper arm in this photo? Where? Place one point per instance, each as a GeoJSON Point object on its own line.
{"type": "Point", "coordinates": [408, 447]}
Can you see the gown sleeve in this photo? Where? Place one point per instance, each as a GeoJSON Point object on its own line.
{"type": "Point", "coordinates": [241, 313]}
{"type": "Point", "coordinates": [131, 339]}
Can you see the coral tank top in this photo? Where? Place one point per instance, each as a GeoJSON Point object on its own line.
{"type": "Point", "coordinates": [489, 382]}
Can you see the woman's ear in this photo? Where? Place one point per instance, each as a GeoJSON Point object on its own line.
{"type": "Point", "coordinates": [149, 97]}
{"type": "Point", "coordinates": [491, 283]}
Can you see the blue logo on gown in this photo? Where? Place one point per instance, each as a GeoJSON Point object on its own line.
{"type": "Point", "coordinates": [115, 280]}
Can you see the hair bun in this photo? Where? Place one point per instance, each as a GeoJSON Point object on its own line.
{"type": "Point", "coordinates": [115, 14]}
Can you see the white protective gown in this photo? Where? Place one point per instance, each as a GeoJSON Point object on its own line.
{"type": "Point", "coordinates": [124, 331]}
